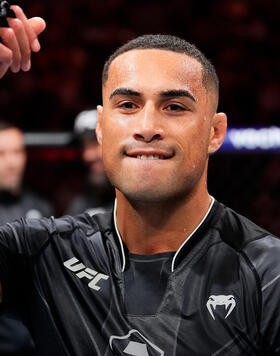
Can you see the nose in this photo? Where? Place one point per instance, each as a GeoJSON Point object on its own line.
{"type": "Point", "coordinates": [149, 125]}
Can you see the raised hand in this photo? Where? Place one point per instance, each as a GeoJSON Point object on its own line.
{"type": "Point", "coordinates": [19, 40]}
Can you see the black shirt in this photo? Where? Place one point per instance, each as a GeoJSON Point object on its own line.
{"type": "Point", "coordinates": [221, 297]}
{"type": "Point", "coordinates": [145, 279]}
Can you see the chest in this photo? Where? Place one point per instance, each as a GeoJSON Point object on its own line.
{"type": "Point", "coordinates": [203, 308]}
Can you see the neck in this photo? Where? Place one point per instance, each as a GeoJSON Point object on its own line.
{"type": "Point", "coordinates": [148, 228]}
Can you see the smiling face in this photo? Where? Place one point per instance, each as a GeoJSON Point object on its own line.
{"type": "Point", "coordinates": [156, 125]}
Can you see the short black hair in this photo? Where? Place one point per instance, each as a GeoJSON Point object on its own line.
{"type": "Point", "coordinates": [168, 43]}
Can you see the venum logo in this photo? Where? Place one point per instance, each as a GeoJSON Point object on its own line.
{"type": "Point", "coordinates": [82, 271]}
{"type": "Point", "coordinates": [228, 301]}
{"type": "Point", "coordinates": [134, 343]}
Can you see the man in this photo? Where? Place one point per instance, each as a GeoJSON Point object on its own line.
{"type": "Point", "coordinates": [15, 201]}
{"type": "Point", "coordinates": [172, 272]}
{"type": "Point", "coordinates": [98, 195]}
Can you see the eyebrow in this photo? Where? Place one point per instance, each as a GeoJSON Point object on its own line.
{"type": "Point", "coordinates": [124, 91]}
{"type": "Point", "coordinates": [177, 93]}
{"type": "Point", "coordinates": [165, 94]}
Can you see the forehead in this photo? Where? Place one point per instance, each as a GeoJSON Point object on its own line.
{"type": "Point", "coordinates": [11, 138]}
{"type": "Point", "coordinates": [155, 69]}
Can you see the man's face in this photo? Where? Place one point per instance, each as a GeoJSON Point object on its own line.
{"type": "Point", "coordinates": [155, 125]}
{"type": "Point", "coordinates": [12, 159]}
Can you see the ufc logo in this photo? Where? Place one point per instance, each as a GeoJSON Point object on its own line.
{"type": "Point", "coordinates": [82, 271]}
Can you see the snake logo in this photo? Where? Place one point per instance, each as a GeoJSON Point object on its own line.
{"type": "Point", "coordinates": [228, 301]}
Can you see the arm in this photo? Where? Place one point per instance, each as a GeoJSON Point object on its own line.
{"type": "Point", "coordinates": [19, 41]}
{"type": "Point", "coordinates": [264, 255]}
{"type": "Point", "coordinates": [270, 283]}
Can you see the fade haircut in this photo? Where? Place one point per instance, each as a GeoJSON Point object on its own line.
{"type": "Point", "coordinates": [168, 43]}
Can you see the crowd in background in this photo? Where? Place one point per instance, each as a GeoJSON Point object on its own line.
{"type": "Point", "coordinates": [242, 39]}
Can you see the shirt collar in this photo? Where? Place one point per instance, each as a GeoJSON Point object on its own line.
{"type": "Point", "coordinates": [179, 249]}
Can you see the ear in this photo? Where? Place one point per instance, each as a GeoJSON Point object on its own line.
{"type": "Point", "coordinates": [99, 124]}
{"type": "Point", "coordinates": [218, 132]}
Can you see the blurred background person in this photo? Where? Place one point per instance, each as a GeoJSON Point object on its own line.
{"type": "Point", "coordinates": [98, 195]}
{"type": "Point", "coordinates": [15, 200]}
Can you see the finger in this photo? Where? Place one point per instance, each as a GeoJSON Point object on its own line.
{"type": "Point", "coordinates": [32, 28]}
{"type": "Point", "coordinates": [23, 42]}
{"type": "Point", "coordinates": [10, 41]}
{"type": "Point", "coordinates": [6, 56]}
{"type": "Point", "coordinates": [38, 24]}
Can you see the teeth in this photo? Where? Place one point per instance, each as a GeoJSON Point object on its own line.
{"type": "Point", "coordinates": [150, 157]}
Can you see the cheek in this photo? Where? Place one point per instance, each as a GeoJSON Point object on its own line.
{"type": "Point", "coordinates": [111, 125]}
{"type": "Point", "coordinates": [107, 153]}
{"type": "Point", "coordinates": [114, 131]}
{"type": "Point", "coordinates": [194, 146]}
{"type": "Point", "coordinates": [19, 164]}
{"type": "Point", "coordinates": [110, 147]}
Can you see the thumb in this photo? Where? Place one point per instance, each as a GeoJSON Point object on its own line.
{"type": "Point", "coordinates": [38, 25]}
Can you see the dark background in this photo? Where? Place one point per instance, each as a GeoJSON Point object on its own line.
{"type": "Point", "coordinates": [240, 37]}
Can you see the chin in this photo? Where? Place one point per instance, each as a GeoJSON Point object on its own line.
{"type": "Point", "coordinates": [150, 195]}
{"type": "Point", "coordinates": [145, 197]}
{"type": "Point", "coordinates": [154, 190]}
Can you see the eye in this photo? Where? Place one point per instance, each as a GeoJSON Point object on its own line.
{"type": "Point", "coordinates": [175, 107]}
{"type": "Point", "coordinates": [127, 105]}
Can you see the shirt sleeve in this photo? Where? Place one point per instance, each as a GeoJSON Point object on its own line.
{"type": "Point", "coordinates": [271, 314]}
{"type": "Point", "coordinates": [264, 254]}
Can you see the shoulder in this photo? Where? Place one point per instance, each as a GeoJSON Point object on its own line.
{"type": "Point", "coordinates": [28, 236]}
{"type": "Point", "coordinates": [259, 247]}
{"type": "Point", "coordinates": [100, 222]}
{"type": "Point", "coordinates": [263, 254]}
{"type": "Point", "coordinates": [237, 230]}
